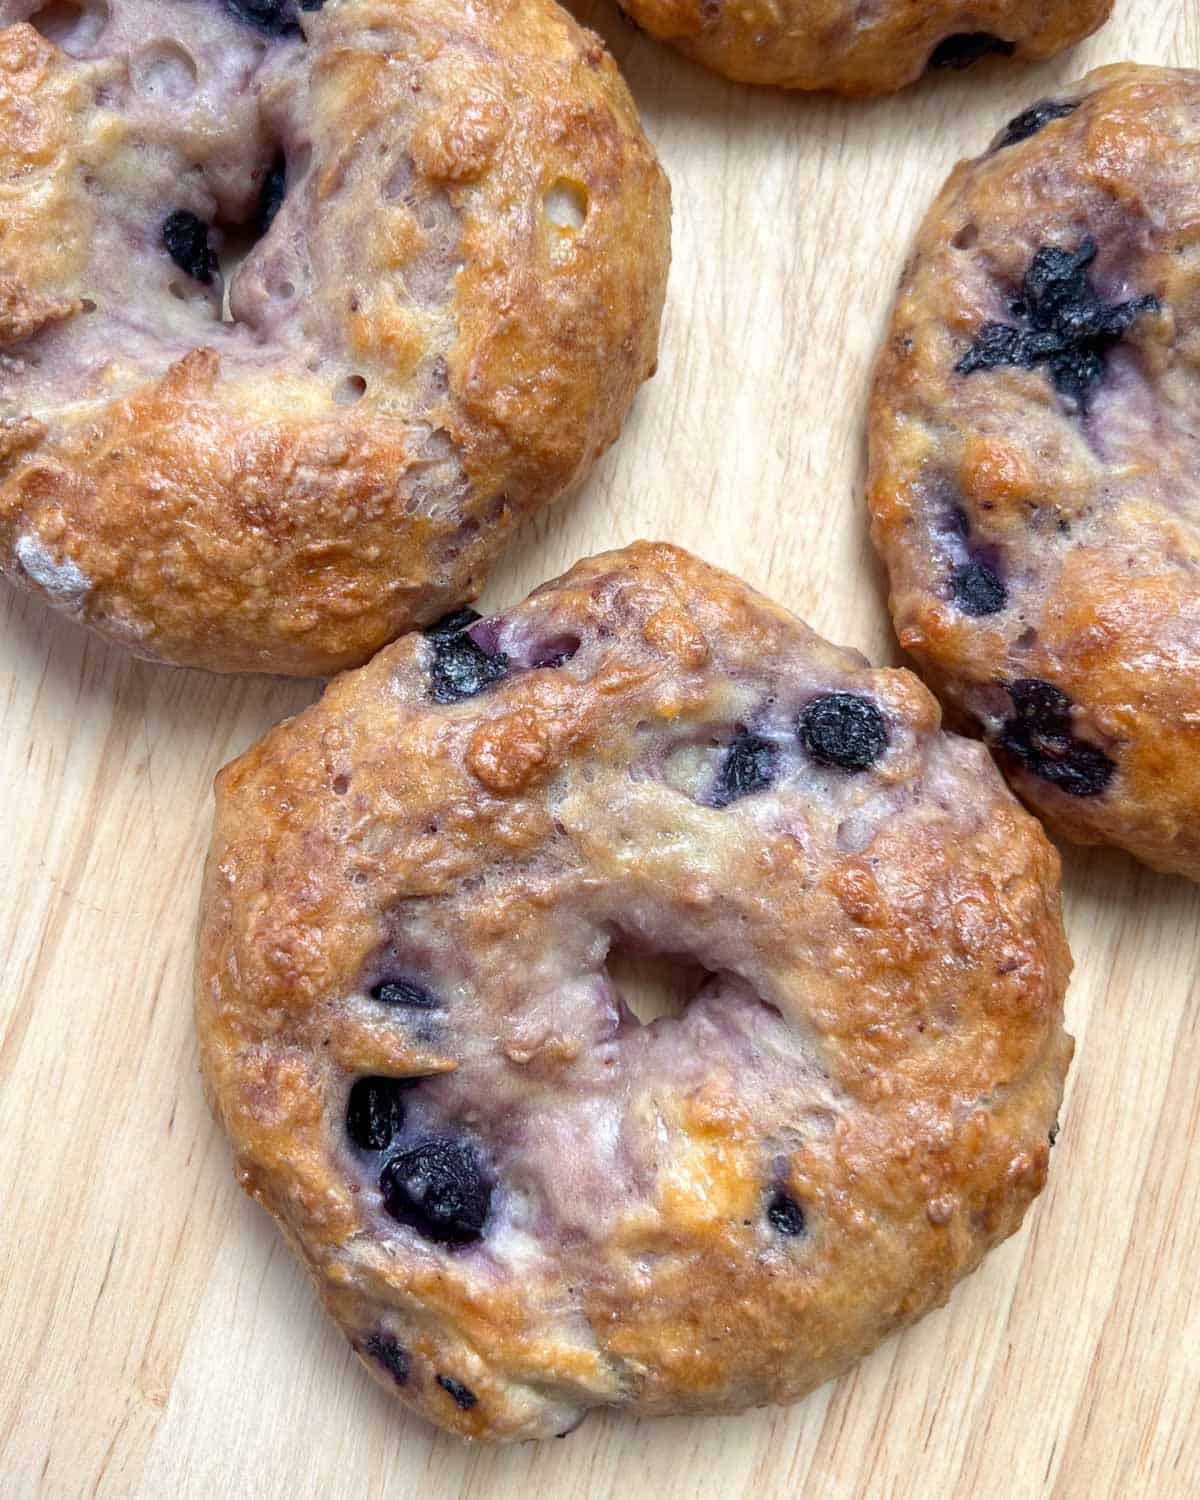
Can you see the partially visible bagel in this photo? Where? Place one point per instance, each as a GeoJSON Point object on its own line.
{"type": "Point", "coordinates": [861, 49]}
{"type": "Point", "coordinates": [517, 1201]}
{"type": "Point", "coordinates": [456, 292]}
{"type": "Point", "coordinates": [1035, 466]}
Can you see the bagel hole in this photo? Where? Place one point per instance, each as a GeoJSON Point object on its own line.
{"type": "Point", "coordinates": [653, 985]}
{"type": "Point", "coordinates": [566, 204]}
{"type": "Point", "coordinates": [353, 388]}
{"type": "Point", "coordinates": [73, 25]}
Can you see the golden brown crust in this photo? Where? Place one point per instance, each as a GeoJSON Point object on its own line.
{"type": "Point", "coordinates": [1086, 510]}
{"type": "Point", "coordinates": [828, 44]}
{"type": "Point", "coordinates": [882, 1041]}
{"type": "Point", "coordinates": [219, 506]}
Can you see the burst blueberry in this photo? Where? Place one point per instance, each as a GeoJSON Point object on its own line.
{"type": "Point", "coordinates": [1064, 325]}
{"type": "Point", "coordinates": [375, 1111]}
{"type": "Point", "coordinates": [463, 1398]}
{"type": "Point", "coordinates": [451, 624]}
{"type": "Point", "coordinates": [403, 992]}
{"type": "Point", "coordinates": [1035, 119]}
{"type": "Point", "coordinates": [391, 1355]}
{"type": "Point", "coordinates": [843, 730]}
{"type": "Point", "coordinates": [785, 1214]}
{"type": "Point", "coordinates": [271, 17]}
{"type": "Point", "coordinates": [978, 589]}
{"type": "Point", "coordinates": [1039, 735]}
{"type": "Point", "coordinates": [748, 766]}
{"type": "Point", "coordinates": [460, 668]}
{"type": "Point", "coordinates": [185, 239]}
{"type": "Point", "coordinates": [439, 1188]}
{"type": "Point", "coordinates": [965, 48]}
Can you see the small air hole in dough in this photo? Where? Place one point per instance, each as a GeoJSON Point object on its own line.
{"type": "Point", "coordinates": [966, 237]}
{"type": "Point", "coordinates": [87, 305]}
{"type": "Point", "coordinates": [164, 71]}
{"type": "Point", "coordinates": [71, 26]}
{"type": "Point", "coordinates": [350, 390]}
{"type": "Point", "coordinates": [286, 289]}
{"type": "Point", "coordinates": [567, 204]}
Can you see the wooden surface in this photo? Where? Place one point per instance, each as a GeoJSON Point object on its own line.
{"type": "Point", "coordinates": [157, 1340]}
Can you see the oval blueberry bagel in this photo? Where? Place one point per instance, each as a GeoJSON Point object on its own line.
{"type": "Point", "coordinates": [516, 1199]}
{"type": "Point", "coordinates": [455, 240]}
{"type": "Point", "coordinates": [1034, 457]}
{"type": "Point", "coordinates": [861, 49]}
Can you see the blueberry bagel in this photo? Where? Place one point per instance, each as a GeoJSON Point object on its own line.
{"type": "Point", "coordinates": [456, 241]}
{"type": "Point", "coordinates": [861, 49]}
{"type": "Point", "coordinates": [517, 1200]}
{"type": "Point", "coordinates": [1034, 457]}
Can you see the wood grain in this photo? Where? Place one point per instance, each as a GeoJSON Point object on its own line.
{"type": "Point", "coordinates": [156, 1339]}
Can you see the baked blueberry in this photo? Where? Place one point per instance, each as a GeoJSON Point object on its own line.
{"type": "Point", "coordinates": [460, 668]}
{"type": "Point", "coordinates": [463, 1398]}
{"type": "Point", "coordinates": [271, 198]}
{"type": "Point", "coordinates": [271, 17]}
{"type": "Point", "coordinates": [844, 730]}
{"type": "Point", "coordinates": [978, 589]}
{"type": "Point", "coordinates": [1067, 327]}
{"type": "Point", "coordinates": [1030, 121]}
{"type": "Point", "coordinates": [965, 48]}
{"type": "Point", "coordinates": [785, 1214]}
{"type": "Point", "coordinates": [391, 1355]}
{"type": "Point", "coordinates": [375, 1111]}
{"type": "Point", "coordinates": [439, 1188]}
{"type": "Point", "coordinates": [1039, 735]}
{"type": "Point", "coordinates": [748, 766]}
{"type": "Point", "coordinates": [185, 239]}
{"type": "Point", "coordinates": [452, 623]}
{"type": "Point", "coordinates": [403, 992]}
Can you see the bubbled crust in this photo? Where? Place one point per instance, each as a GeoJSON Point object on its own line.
{"type": "Point", "coordinates": [1092, 514]}
{"type": "Point", "coordinates": [884, 1041]}
{"type": "Point", "coordinates": [193, 488]}
{"type": "Point", "coordinates": [832, 44]}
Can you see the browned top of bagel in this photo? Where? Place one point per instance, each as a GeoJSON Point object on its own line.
{"type": "Point", "coordinates": [721, 1209]}
{"type": "Point", "coordinates": [440, 331]}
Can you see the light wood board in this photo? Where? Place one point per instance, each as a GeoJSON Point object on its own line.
{"type": "Point", "coordinates": [156, 1338]}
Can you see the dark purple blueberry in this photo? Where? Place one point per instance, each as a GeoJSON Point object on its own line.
{"type": "Point", "coordinates": [271, 198]}
{"type": "Point", "coordinates": [460, 668]}
{"type": "Point", "coordinates": [391, 1356]}
{"type": "Point", "coordinates": [1037, 118]}
{"type": "Point", "coordinates": [749, 766]}
{"type": "Point", "coordinates": [375, 1112]}
{"type": "Point", "coordinates": [844, 730]}
{"type": "Point", "coordinates": [185, 239]}
{"type": "Point", "coordinates": [404, 992]}
{"type": "Point", "coordinates": [1040, 737]}
{"type": "Point", "coordinates": [785, 1214]}
{"type": "Point", "coordinates": [271, 17]}
{"type": "Point", "coordinates": [439, 1188]}
{"type": "Point", "coordinates": [1068, 329]}
{"type": "Point", "coordinates": [452, 623]}
{"type": "Point", "coordinates": [967, 47]}
{"type": "Point", "coordinates": [978, 590]}
{"type": "Point", "coordinates": [463, 1398]}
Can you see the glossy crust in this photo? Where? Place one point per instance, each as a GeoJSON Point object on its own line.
{"type": "Point", "coordinates": [475, 236]}
{"type": "Point", "coordinates": [724, 1208]}
{"type": "Point", "coordinates": [842, 45]}
{"type": "Point", "coordinates": [1086, 509]}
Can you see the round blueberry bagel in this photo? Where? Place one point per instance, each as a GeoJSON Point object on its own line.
{"type": "Point", "coordinates": [1035, 453]}
{"type": "Point", "coordinates": [516, 1199]}
{"type": "Point", "coordinates": [857, 49]}
{"type": "Point", "coordinates": [456, 244]}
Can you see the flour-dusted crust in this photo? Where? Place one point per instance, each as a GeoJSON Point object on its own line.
{"type": "Point", "coordinates": [1034, 457]}
{"type": "Point", "coordinates": [443, 326]}
{"type": "Point", "coordinates": [559, 1207]}
{"type": "Point", "coordinates": [862, 49]}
